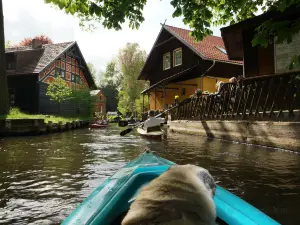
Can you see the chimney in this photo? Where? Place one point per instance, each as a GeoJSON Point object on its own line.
{"type": "Point", "coordinates": [36, 43]}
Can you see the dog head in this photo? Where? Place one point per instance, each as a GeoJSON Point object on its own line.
{"type": "Point", "coordinates": [204, 176]}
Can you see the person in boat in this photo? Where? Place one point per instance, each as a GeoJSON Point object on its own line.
{"type": "Point", "coordinates": [152, 123]}
{"type": "Point", "coordinates": [103, 120]}
{"type": "Point", "coordinates": [131, 120]}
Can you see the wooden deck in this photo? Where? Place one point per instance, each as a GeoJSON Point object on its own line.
{"type": "Point", "coordinates": [264, 98]}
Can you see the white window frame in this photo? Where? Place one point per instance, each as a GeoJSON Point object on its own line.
{"type": "Point", "coordinates": [164, 61]}
{"type": "Point", "coordinates": [174, 56]}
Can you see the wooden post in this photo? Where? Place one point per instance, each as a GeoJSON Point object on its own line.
{"type": "Point", "coordinates": [148, 100]}
{"type": "Point", "coordinates": [143, 104]}
{"type": "Point", "coordinates": [4, 102]}
{"type": "Point", "coordinates": [164, 93]}
{"type": "Point", "coordinates": [154, 99]}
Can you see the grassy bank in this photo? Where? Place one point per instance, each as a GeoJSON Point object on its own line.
{"type": "Point", "coordinates": [15, 113]}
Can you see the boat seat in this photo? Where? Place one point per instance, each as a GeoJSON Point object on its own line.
{"type": "Point", "coordinates": [156, 128]}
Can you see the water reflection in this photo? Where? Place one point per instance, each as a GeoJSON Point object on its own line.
{"type": "Point", "coordinates": [43, 178]}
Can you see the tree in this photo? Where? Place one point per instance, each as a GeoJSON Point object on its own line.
{"type": "Point", "coordinates": [112, 75]}
{"type": "Point", "coordinates": [59, 91]}
{"type": "Point", "coordinates": [4, 102]}
{"type": "Point", "coordinates": [92, 70]}
{"type": "Point", "coordinates": [131, 60]}
{"type": "Point", "coordinates": [200, 15]}
{"type": "Point", "coordinates": [28, 41]}
{"type": "Point", "coordinates": [110, 84]}
{"type": "Point", "coordinates": [7, 44]}
{"type": "Point", "coordinates": [82, 97]}
{"type": "Point", "coordinates": [139, 104]}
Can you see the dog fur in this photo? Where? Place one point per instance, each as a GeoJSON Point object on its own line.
{"type": "Point", "coordinates": [183, 195]}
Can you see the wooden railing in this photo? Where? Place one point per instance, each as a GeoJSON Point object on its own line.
{"type": "Point", "coordinates": [272, 97]}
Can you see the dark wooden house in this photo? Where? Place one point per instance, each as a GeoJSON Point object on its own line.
{"type": "Point", "coordinates": [30, 68]}
{"type": "Point", "coordinates": [259, 60]}
{"type": "Point", "coordinates": [178, 65]}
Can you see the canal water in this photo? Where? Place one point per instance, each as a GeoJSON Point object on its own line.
{"type": "Point", "coordinates": [42, 179]}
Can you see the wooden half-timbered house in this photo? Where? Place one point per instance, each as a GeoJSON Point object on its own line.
{"type": "Point", "coordinates": [31, 68]}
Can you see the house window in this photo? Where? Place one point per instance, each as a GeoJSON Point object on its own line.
{"type": "Point", "coordinates": [77, 79]}
{"type": "Point", "coordinates": [62, 74]}
{"type": "Point", "coordinates": [183, 91]}
{"type": "Point", "coordinates": [177, 57]}
{"type": "Point", "coordinates": [166, 61]}
{"type": "Point", "coordinates": [73, 78]}
{"type": "Point", "coordinates": [10, 61]}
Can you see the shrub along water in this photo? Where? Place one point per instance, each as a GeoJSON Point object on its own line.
{"type": "Point", "coordinates": [16, 113]}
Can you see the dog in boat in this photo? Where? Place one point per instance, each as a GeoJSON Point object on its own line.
{"type": "Point", "coordinates": [183, 195]}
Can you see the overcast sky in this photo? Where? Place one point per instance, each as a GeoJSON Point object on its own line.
{"type": "Point", "coordinates": [33, 17]}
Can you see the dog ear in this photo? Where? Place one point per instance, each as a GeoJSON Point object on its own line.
{"type": "Point", "coordinates": [208, 180]}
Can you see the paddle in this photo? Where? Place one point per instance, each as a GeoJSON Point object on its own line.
{"type": "Point", "coordinates": [124, 132]}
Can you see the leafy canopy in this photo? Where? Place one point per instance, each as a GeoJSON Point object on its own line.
{"type": "Point", "coordinates": [110, 84]}
{"type": "Point", "coordinates": [131, 59]}
{"type": "Point", "coordinates": [58, 90]}
{"type": "Point", "coordinates": [93, 70]}
{"type": "Point", "coordinates": [200, 15]}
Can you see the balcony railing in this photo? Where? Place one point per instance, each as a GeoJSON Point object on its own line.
{"type": "Point", "coordinates": [272, 97]}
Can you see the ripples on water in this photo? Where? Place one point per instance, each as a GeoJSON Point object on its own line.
{"type": "Point", "coordinates": [42, 179]}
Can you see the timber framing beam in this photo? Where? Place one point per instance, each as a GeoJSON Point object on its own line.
{"type": "Point", "coordinates": [164, 42]}
{"type": "Point", "coordinates": [195, 85]}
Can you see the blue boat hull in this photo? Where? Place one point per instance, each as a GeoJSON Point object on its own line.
{"type": "Point", "coordinates": [113, 198]}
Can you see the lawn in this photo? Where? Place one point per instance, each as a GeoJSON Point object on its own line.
{"type": "Point", "coordinates": [15, 113]}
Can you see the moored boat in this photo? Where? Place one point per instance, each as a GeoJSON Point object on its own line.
{"type": "Point", "coordinates": [99, 125]}
{"type": "Point", "coordinates": [109, 202]}
{"type": "Point", "coordinates": [150, 134]}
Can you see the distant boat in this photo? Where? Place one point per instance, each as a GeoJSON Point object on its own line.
{"type": "Point", "coordinates": [99, 125]}
{"type": "Point", "coordinates": [109, 202]}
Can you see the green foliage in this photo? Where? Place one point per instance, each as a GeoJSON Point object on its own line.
{"type": "Point", "coordinates": [139, 104]}
{"type": "Point", "coordinates": [82, 96]}
{"type": "Point", "coordinates": [58, 90]}
{"type": "Point", "coordinates": [16, 113]}
{"type": "Point", "coordinates": [131, 60]}
{"type": "Point", "coordinates": [92, 70]}
{"type": "Point", "coordinates": [7, 44]}
{"type": "Point", "coordinates": [110, 84]}
{"type": "Point", "coordinates": [111, 93]}
{"type": "Point", "coordinates": [123, 104]}
{"type": "Point", "coordinates": [200, 15]}
{"type": "Point", "coordinates": [112, 75]}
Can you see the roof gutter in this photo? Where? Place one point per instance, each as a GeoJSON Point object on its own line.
{"type": "Point", "coordinates": [209, 69]}
{"type": "Point", "coordinates": [161, 82]}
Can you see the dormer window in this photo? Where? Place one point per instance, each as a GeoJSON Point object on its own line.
{"type": "Point", "coordinates": [177, 57]}
{"type": "Point", "coordinates": [167, 61]}
{"type": "Point", "coordinates": [10, 61]}
{"type": "Point", "coordinates": [221, 49]}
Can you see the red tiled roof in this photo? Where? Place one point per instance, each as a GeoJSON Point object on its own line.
{"type": "Point", "coordinates": [207, 48]}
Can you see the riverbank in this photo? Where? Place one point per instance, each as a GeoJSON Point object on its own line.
{"type": "Point", "coordinates": [18, 123]}
{"type": "Point", "coordinates": [272, 134]}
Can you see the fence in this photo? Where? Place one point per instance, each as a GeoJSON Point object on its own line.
{"type": "Point", "coordinates": [271, 97]}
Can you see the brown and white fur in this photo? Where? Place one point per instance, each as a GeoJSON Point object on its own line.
{"type": "Point", "coordinates": [183, 195]}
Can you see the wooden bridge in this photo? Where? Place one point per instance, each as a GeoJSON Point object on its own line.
{"type": "Point", "coordinates": [269, 98]}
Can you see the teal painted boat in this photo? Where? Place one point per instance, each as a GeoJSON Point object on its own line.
{"type": "Point", "coordinates": [109, 202]}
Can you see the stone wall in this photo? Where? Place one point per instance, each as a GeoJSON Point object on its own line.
{"type": "Point", "coordinates": [16, 127]}
{"type": "Point", "coordinates": [273, 134]}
